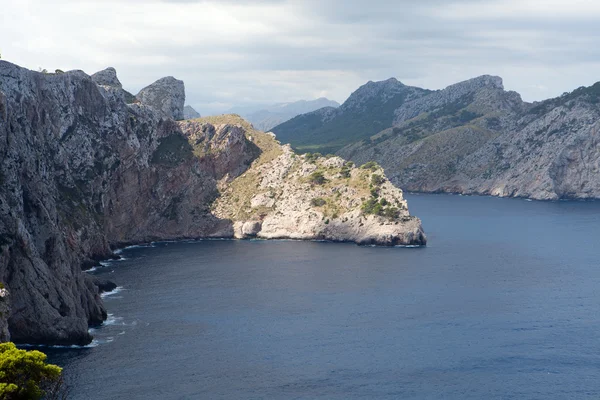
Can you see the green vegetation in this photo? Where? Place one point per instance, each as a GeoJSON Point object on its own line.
{"type": "Point", "coordinates": [380, 207]}
{"type": "Point", "coordinates": [317, 178]}
{"type": "Point", "coordinates": [172, 151]}
{"type": "Point", "coordinates": [312, 157]}
{"type": "Point", "coordinates": [318, 202]}
{"type": "Point", "coordinates": [377, 180]}
{"type": "Point", "coordinates": [310, 132]}
{"type": "Point", "coordinates": [25, 375]}
{"type": "Point", "coordinates": [371, 165]}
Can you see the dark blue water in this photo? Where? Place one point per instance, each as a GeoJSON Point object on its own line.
{"type": "Point", "coordinates": [504, 303]}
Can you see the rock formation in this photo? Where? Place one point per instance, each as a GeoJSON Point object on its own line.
{"type": "Point", "coordinates": [367, 111]}
{"type": "Point", "coordinates": [4, 314]}
{"type": "Point", "coordinates": [81, 171]}
{"type": "Point", "coordinates": [472, 137]}
{"type": "Point", "coordinates": [190, 113]}
{"type": "Point", "coordinates": [476, 138]}
{"type": "Point", "coordinates": [166, 96]}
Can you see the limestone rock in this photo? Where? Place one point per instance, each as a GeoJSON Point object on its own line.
{"type": "Point", "coordinates": [476, 138]}
{"type": "Point", "coordinates": [107, 77]}
{"type": "Point", "coordinates": [166, 96]}
{"type": "Point", "coordinates": [190, 113]}
{"type": "Point", "coordinates": [82, 172]}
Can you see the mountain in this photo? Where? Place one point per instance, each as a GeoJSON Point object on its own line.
{"type": "Point", "coordinates": [472, 137]}
{"type": "Point", "coordinates": [166, 96]}
{"type": "Point", "coordinates": [83, 172]}
{"type": "Point", "coordinates": [488, 141]}
{"type": "Point", "coordinates": [367, 111]}
{"type": "Point", "coordinates": [266, 117]}
{"type": "Point", "coordinates": [190, 113]}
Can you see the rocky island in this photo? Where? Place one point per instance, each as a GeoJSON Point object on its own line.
{"type": "Point", "coordinates": [86, 167]}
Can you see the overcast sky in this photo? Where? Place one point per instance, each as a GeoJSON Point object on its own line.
{"type": "Point", "coordinates": [233, 53]}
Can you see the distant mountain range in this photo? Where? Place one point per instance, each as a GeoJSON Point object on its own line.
{"type": "Point", "coordinates": [472, 137]}
{"type": "Point", "coordinates": [265, 118]}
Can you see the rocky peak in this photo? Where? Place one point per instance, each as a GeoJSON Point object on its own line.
{"type": "Point", "coordinates": [382, 90]}
{"type": "Point", "coordinates": [107, 77]}
{"type": "Point", "coordinates": [190, 113]}
{"type": "Point", "coordinates": [166, 96]}
{"type": "Point", "coordinates": [474, 84]}
{"type": "Point", "coordinates": [462, 92]}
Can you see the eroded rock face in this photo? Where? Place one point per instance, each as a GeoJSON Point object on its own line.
{"type": "Point", "coordinates": [166, 96]}
{"type": "Point", "coordinates": [107, 77]}
{"type": "Point", "coordinates": [4, 314]}
{"type": "Point", "coordinates": [75, 161]}
{"type": "Point", "coordinates": [81, 171]}
{"type": "Point", "coordinates": [476, 138]}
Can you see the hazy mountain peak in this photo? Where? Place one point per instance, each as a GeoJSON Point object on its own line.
{"type": "Point", "coordinates": [479, 82]}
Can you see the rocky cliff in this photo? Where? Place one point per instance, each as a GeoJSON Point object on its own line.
{"type": "Point", "coordinates": [82, 171]}
{"type": "Point", "coordinates": [166, 96]}
{"type": "Point", "coordinates": [476, 138]}
{"type": "Point", "coordinates": [367, 111]}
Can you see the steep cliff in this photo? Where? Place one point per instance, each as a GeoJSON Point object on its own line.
{"type": "Point", "coordinates": [488, 141]}
{"type": "Point", "coordinates": [82, 171]}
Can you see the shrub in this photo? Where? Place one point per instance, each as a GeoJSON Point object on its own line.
{"type": "Point", "coordinates": [317, 202]}
{"type": "Point", "coordinates": [372, 165]}
{"type": "Point", "coordinates": [312, 157]}
{"type": "Point", "coordinates": [24, 375]}
{"type": "Point", "coordinates": [317, 178]}
{"type": "Point", "coordinates": [345, 172]}
{"type": "Point", "coordinates": [377, 180]}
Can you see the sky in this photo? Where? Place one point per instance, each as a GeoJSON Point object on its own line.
{"type": "Point", "coordinates": [243, 53]}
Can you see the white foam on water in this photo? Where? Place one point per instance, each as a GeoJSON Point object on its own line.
{"type": "Point", "coordinates": [94, 343]}
{"type": "Point", "coordinates": [118, 289]}
{"type": "Point", "coordinates": [91, 269]}
{"type": "Point", "coordinates": [112, 320]}
{"type": "Point", "coordinates": [105, 263]}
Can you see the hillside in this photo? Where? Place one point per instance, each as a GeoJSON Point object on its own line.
{"type": "Point", "coordinates": [493, 143]}
{"type": "Point", "coordinates": [472, 137]}
{"type": "Point", "coordinates": [82, 172]}
{"type": "Point", "coordinates": [368, 110]}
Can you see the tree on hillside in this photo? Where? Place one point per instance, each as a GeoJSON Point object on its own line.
{"type": "Point", "coordinates": [25, 375]}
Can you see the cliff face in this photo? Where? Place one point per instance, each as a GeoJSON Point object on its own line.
{"type": "Point", "coordinates": [368, 110]}
{"type": "Point", "coordinates": [476, 138]}
{"type": "Point", "coordinates": [81, 171]}
{"type": "Point", "coordinates": [166, 96]}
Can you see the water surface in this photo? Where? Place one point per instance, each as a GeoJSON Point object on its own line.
{"type": "Point", "coordinates": [502, 304]}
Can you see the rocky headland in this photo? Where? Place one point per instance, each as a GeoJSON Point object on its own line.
{"type": "Point", "coordinates": [473, 137]}
{"type": "Point", "coordinates": [86, 167]}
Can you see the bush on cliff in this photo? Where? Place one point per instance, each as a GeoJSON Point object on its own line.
{"type": "Point", "coordinates": [25, 375]}
{"type": "Point", "coordinates": [317, 178]}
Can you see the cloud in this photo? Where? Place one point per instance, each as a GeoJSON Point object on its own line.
{"type": "Point", "coordinates": [259, 52]}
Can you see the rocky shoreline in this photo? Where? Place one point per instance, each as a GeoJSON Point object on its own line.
{"type": "Point", "coordinates": [86, 166]}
